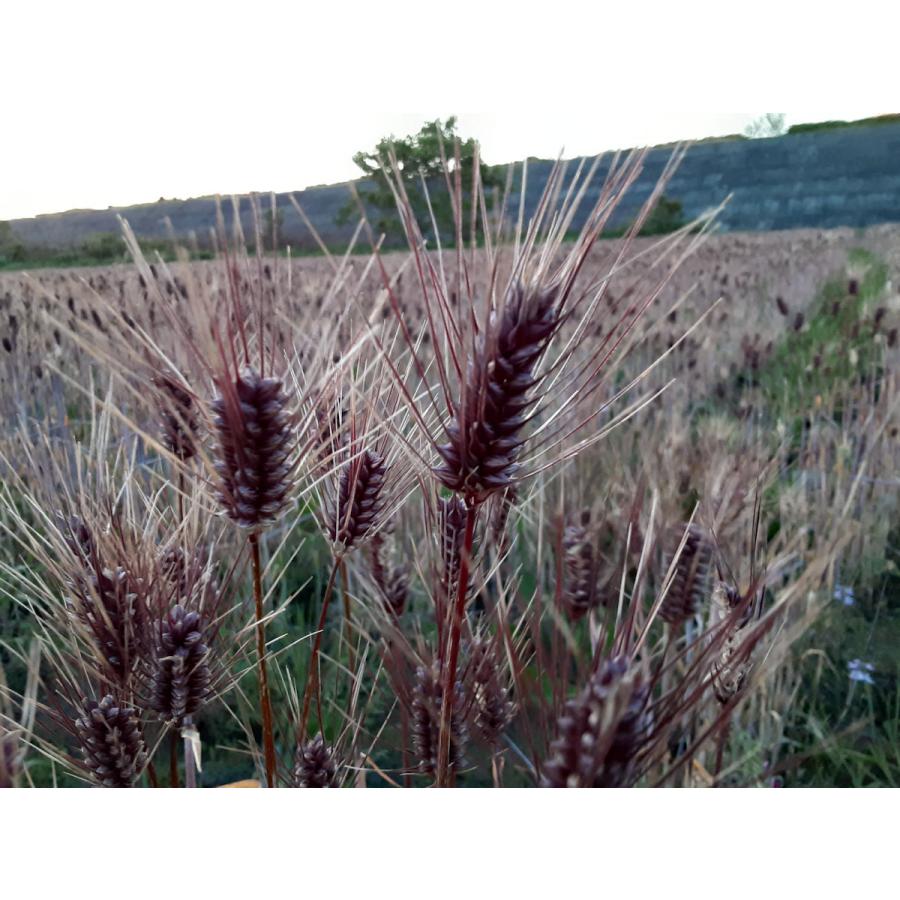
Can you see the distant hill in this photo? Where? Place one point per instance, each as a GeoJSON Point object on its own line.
{"type": "Point", "coordinates": [815, 177]}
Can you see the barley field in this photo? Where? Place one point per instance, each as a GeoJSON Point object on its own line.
{"type": "Point", "coordinates": [556, 510]}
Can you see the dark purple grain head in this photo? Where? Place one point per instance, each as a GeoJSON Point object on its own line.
{"type": "Point", "coordinates": [485, 433]}
{"type": "Point", "coordinates": [111, 742]}
{"type": "Point", "coordinates": [255, 441]}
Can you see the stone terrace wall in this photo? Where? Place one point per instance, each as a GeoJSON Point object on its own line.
{"type": "Point", "coordinates": [823, 179]}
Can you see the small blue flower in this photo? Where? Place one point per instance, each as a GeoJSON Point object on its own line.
{"type": "Point", "coordinates": [843, 593]}
{"type": "Point", "coordinates": [861, 671]}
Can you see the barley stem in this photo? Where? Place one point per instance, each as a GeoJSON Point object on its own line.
{"type": "Point", "coordinates": [348, 628]}
{"type": "Point", "coordinates": [452, 658]}
{"type": "Point", "coordinates": [720, 749]}
{"type": "Point", "coordinates": [404, 737]}
{"type": "Point", "coordinates": [180, 494]}
{"type": "Point", "coordinates": [173, 759]}
{"type": "Point", "coordinates": [264, 698]}
{"type": "Point", "coordinates": [312, 678]}
{"type": "Point", "coordinates": [190, 768]}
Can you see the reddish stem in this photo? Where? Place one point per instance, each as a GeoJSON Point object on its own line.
{"type": "Point", "coordinates": [720, 750]}
{"type": "Point", "coordinates": [264, 697]}
{"type": "Point", "coordinates": [312, 678]}
{"type": "Point", "coordinates": [173, 758]}
{"type": "Point", "coordinates": [180, 495]}
{"type": "Point", "coordinates": [452, 657]}
{"type": "Point", "coordinates": [348, 624]}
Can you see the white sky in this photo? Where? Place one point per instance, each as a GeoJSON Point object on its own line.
{"type": "Point", "coordinates": [108, 104]}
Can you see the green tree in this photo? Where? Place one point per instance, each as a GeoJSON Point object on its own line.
{"type": "Point", "coordinates": [667, 216]}
{"type": "Point", "coordinates": [418, 157]}
{"type": "Point", "coordinates": [765, 126]}
{"type": "Point", "coordinates": [104, 247]}
{"type": "Point", "coordinates": [11, 248]}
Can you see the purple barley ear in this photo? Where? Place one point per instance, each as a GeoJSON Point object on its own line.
{"type": "Point", "coordinates": [180, 675]}
{"type": "Point", "coordinates": [730, 670]}
{"type": "Point", "coordinates": [426, 717]}
{"type": "Point", "coordinates": [691, 582]}
{"type": "Point", "coordinates": [173, 566]}
{"type": "Point", "coordinates": [579, 592]}
{"type": "Point", "coordinates": [391, 579]}
{"type": "Point", "coordinates": [451, 526]}
{"type": "Point", "coordinates": [357, 508]}
{"type": "Point", "coordinates": [502, 506]}
{"type": "Point", "coordinates": [484, 436]}
{"type": "Point", "coordinates": [178, 413]}
{"type": "Point", "coordinates": [491, 709]}
{"type": "Point", "coordinates": [782, 306]}
{"type": "Point", "coordinates": [111, 742]}
{"type": "Point", "coordinates": [187, 577]}
{"type": "Point", "coordinates": [330, 416]}
{"type": "Point", "coordinates": [255, 440]}
{"type": "Point", "coordinates": [103, 598]}
{"type": "Point", "coordinates": [852, 287]}
{"type": "Point", "coordinates": [315, 765]}
{"type": "Point", "coordinates": [602, 731]}
{"type": "Point", "coordinates": [728, 598]}
{"type": "Point", "coordinates": [77, 536]}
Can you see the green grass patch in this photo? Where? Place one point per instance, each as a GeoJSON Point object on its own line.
{"type": "Point", "coordinates": [828, 348]}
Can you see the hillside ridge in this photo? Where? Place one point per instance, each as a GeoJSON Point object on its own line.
{"type": "Point", "coordinates": [810, 179]}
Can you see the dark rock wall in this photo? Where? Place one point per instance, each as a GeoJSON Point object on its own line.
{"type": "Point", "coordinates": [824, 179]}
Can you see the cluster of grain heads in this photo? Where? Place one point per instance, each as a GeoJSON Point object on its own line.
{"type": "Point", "coordinates": [185, 666]}
{"type": "Point", "coordinates": [492, 710]}
{"type": "Point", "coordinates": [329, 415]}
{"type": "Point", "coordinates": [520, 351]}
{"type": "Point", "coordinates": [106, 598]}
{"type": "Point", "coordinates": [391, 577]}
{"type": "Point", "coordinates": [254, 427]}
{"type": "Point", "coordinates": [178, 416]}
{"type": "Point", "coordinates": [690, 585]}
{"type": "Point", "coordinates": [501, 385]}
{"type": "Point", "coordinates": [180, 676]}
{"type": "Point", "coordinates": [148, 621]}
{"type": "Point", "coordinates": [353, 511]}
{"type": "Point", "coordinates": [315, 764]}
{"type": "Point", "coordinates": [451, 526]}
{"type": "Point", "coordinates": [426, 717]}
{"type": "Point", "coordinates": [355, 439]}
{"type": "Point", "coordinates": [485, 434]}
{"type": "Point", "coordinates": [602, 730]}
{"type": "Point", "coordinates": [111, 742]}
{"type": "Point", "coordinates": [579, 590]}
{"type": "Point", "coordinates": [502, 505]}
{"type": "Point", "coordinates": [729, 672]}
{"type": "Point", "coordinates": [359, 501]}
